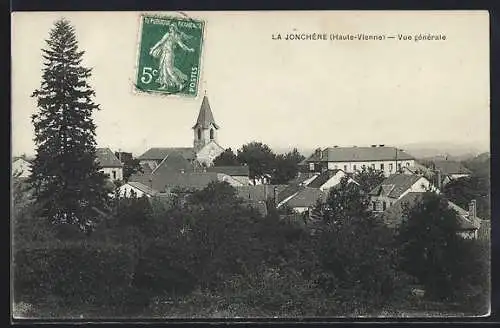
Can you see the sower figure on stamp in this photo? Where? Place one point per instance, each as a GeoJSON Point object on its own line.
{"type": "Point", "coordinates": [164, 49]}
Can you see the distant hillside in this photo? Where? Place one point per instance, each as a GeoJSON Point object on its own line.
{"type": "Point", "coordinates": [443, 150]}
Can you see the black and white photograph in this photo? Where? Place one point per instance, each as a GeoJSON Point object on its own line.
{"type": "Point", "coordinates": [250, 164]}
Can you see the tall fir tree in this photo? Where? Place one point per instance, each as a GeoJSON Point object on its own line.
{"type": "Point", "coordinates": [65, 174]}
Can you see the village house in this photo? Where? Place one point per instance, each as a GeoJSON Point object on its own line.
{"type": "Point", "coordinates": [395, 187]}
{"type": "Point", "coordinates": [205, 146]}
{"type": "Point", "coordinates": [328, 179]}
{"type": "Point", "coordinates": [448, 170]}
{"type": "Point", "coordinates": [300, 199]}
{"type": "Point", "coordinates": [21, 166]}
{"type": "Point", "coordinates": [469, 223]}
{"type": "Point", "coordinates": [110, 165]}
{"type": "Point", "coordinates": [389, 160]}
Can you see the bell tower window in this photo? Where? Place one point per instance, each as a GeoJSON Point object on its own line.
{"type": "Point", "coordinates": [199, 134]}
{"type": "Point", "coordinates": [211, 134]}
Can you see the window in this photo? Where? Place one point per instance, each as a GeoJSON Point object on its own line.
{"type": "Point", "coordinates": [382, 166]}
{"type": "Point", "coordinates": [114, 175]}
{"type": "Point", "coordinates": [311, 166]}
{"type": "Point", "coordinates": [374, 204]}
{"type": "Point", "coordinates": [199, 134]}
{"type": "Point", "coordinates": [354, 167]}
{"type": "Point", "coordinates": [363, 166]}
{"type": "Point", "coordinates": [399, 166]}
{"type": "Point", "coordinates": [384, 206]}
{"type": "Point", "coordinates": [373, 166]}
{"type": "Point", "coordinates": [390, 167]}
{"type": "Point", "coordinates": [345, 168]}
{"type": "Point", "coordinates": [407, 164]}
{"type": "Point", "coordinates": [211, 134]}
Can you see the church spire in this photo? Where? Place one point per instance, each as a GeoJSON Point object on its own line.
{"type": "Point", "coordinates": [205, 117]}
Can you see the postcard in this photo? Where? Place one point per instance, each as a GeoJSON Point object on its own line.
{"type": "Point", "coordinates": [242, 164]}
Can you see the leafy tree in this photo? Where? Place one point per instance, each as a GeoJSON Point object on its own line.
{"type": "Point", "coordinates": [259, 158]}
{"type": "Point", "coordinates": [344, 201]}
{"type": "Point", "coordinates": [429, 246]}
{"type": "Point", "coordinates": [131, 165]}
{"type": "Point", "coordinates": [357, 260]}
{"type": "Point", "coordinates": [369, 178]}
{"type": "Point", "coordinates": [462, 191]}
{"type": "Point", "coordinates": [286, 166]}
{"type": "Point", "coordinates": [65, 174]}
{"type": "Point", "coordinates": [226, 158]}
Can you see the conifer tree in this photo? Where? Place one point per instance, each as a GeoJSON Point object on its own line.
{"type": "Point", "coordinates": [65, 175]}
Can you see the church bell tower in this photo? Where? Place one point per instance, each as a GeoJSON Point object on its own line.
{"type": "Point", "coordinates": [205, 129]}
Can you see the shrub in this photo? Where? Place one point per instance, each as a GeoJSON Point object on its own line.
{"type": "Point", "coordinates": [76, 273]}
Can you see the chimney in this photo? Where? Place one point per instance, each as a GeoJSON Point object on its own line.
{"type": "Point", "coordinates": [381, 145]}
{"type": "Point", "coordinates": [374, 145]}
{"type": "Point", "coordinates": [335, 146]}
{"type": "Point", "coordinates": [472, 209]}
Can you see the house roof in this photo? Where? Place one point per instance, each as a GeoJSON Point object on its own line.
{"type": "Point", "coordinates": [205, 116]}
{"type": "Point", "coordinates": [236, 170]}
{"type": "Point", "coordinates": [184, 180]}
{"type": "Point", "coordinates": [142, 187]}
{"type": "Point", "coordinates": [395, 185]}
{"type": "Point", "coordinates": [306, 197]}
{"type": "Point", "coordinates": [359, 154]}
{"type": "Point", "coordinates": [450, 167]}
{"type": "Point", "coordinates": [287, 192]}
{"type": "Point", "coordinates": [302, 177]}
{"type": "Point", "coordinates": [393, 214]}
{"type": "Point", "coordinates": [323, 178]}
{"type": "Point", "coordinates": [107, 158]}
{"type": "Point", "coordinates": [159, 153]}
{"type": "Point", "coordinates": [176, 162]}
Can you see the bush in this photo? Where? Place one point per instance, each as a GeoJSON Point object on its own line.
{"type": "Point", "coordinates": [76, 273]}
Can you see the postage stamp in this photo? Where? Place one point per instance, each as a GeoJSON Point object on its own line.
{"type": "Point", "coordinates": [169, 57]}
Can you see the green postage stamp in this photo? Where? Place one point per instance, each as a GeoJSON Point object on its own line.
{"type": "Point", "coordinates": [169, 55]}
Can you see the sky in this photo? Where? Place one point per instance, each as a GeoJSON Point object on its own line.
{"type": "Point", "coordinates": [302, 93]}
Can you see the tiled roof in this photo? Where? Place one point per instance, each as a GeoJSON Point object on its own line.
{"type": "Point", "coordinates": [306, 197]}
{"type": "Point", "coordinates": [288, 191]}
{"type": "Point", "coordinates": [205, 117]}
{"type": "Point", "coordinates": [239, 170]}
{"type": "Point", "coordinates": [107, 158]}
{"type": "Point", "coordinates": [395, 185]}
{"type": "Point", "coordinates": [323, 178]}
{"type": "Point", "coordinates": [359, 154]}
{"type": "Point", "coordinates": [185, 181]}
{"type": "Point", "coordinates": [160, 153]}
{"type": "Point", "coordinates": [142, 187]}
{"type": "Point", "coordinates": [451, 167]}
{"type": "Point", "coordinates": [176, 162]}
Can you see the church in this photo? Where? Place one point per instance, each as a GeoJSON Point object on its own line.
{"type": "Point", "coordinates": [205, 146]}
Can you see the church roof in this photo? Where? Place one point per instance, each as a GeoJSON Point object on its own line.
{"type": "Point", "coordinates": [205, 117]}
{"type": "Point", "coordinates": [160, 153]}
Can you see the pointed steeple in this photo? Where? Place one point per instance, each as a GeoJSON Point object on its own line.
{"type": "Point", "coordinates": [205, 117]}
